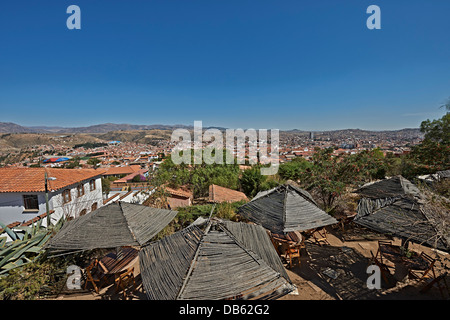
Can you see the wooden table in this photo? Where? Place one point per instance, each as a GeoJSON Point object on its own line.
{"type": "Point", "coordinates": [113, 265]}
{"type": "Point", "coordinates": [288, 244]}
{"type": "Point", "coordinates": [293, 238]}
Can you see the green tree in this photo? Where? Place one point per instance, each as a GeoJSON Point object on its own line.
{"type": "Point", "coordinates": [138, 178]}
{"type": "Point", "coordinates": [252, 181]}
{"type": "Point", "coordinates": [106, 186]}
{"type": "Point", "coordinates": [197, 176]}
{"type": "Point", "coordinates": [93, 161]}
{"type": "Point", "coordinates": [433, 154]}
{"type": "Point", "coordinates": [324, 177]}
{"type": "Point", "coordinates": [293, 170]}
{"type": "Point", "coordinates": [330, 175]}
{"type": "Point", "coordinates": [72, 163]}
{"type": "Point", "coordinates": [393, 164]}
{"type": "Point", "coordinates": [437, 131]}
{"type": "Point", "coordinates": [365, 166]}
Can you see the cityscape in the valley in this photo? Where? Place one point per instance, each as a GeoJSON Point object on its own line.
{"type": "Point", "coordinates": [143, 147]}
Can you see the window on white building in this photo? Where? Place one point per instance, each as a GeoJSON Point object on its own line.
{"type": "Point", "coordinates": [92, 185]}
{"type": "Point", "coordinates": [66, 196]}
{"type": "Point", "coordinates": [80, 190]}
{"type": "Point", "coordinates": [30, 202]}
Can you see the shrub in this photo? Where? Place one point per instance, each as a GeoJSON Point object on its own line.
{"type": "Point", "coordinates": [33, 281]}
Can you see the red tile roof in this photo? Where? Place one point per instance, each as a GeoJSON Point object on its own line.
{"type": "Point", "coordinates": [177, 202]}
{"type": "Point", "coordinates": [110, 198]}
{"type": "Point", "coordinates": [179, 192]}
{"type": "Point", "coordinates": [33, 179]}
{"type": "Point", "coordinates": [126, 195]}
{"type": "Point", "coordinates": [121, 170]}
{"type": "Point", "coordinates": [221, 194]}
{"type": "Point", "coordinates": [131, 176]}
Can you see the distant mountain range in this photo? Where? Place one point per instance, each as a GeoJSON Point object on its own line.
{"type": "Point", "coordinates": [9, 127]}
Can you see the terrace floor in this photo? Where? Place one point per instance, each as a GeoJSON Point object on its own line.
{"type": "Point", "coordinates": [350, 283]}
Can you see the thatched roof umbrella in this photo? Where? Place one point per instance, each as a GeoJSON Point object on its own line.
{"type": "Point", "coordinates": [228, 260]}
{"type": "Point", "coordinates": [115, 225]}
{"type": "Point", "coordinates": [395, 207]}
{"type": "Point", "coordinates": [285, 209]}
{"type": "Point", "coordinates": [388, 188]}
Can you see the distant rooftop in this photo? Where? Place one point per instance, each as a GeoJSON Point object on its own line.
{"type": "Point", "coordinates": [221, 194]}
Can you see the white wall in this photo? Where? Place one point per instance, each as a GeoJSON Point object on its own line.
{"type": "Point", "coordinates": [141, 196]}
{"type": "Point", "coordinates": [12, 208]}
{"type": "Point", "coordinates": [77, 204]}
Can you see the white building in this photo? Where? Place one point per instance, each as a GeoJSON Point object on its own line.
{"type": "Point", "coordinates": [71, 193]}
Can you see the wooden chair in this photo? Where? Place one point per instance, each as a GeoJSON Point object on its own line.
{"type": "Point", "coordinates": [276, 244]}
{"type": "Point", "coordinates": [320, 236]}
{"type": "Point", "coordinates": [291, 251]}
{"type": "Point", "coordinates": [384, 242]}
{"type": "Point", "coordinates": [378, 254]}
{"type": "Point", "coordinates": [438, 282]}
{"type": "Point", "coordinates": [426, 274]}
{"type": "Point", "coordinates": [94, 275]}
{"type": "Point", "coordinates": [384, 269]}
{"type": "Point", "coordinates": [124, 280]}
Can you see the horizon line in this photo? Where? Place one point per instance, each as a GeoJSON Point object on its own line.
{"type": "Point", "coordinates": [62, 127]}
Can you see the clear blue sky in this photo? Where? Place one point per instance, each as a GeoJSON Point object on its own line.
{"type": "Point", "coordinates": [310, 65]}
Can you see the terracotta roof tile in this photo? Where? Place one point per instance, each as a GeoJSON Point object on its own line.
{"type": "Point", "coordinates": [179, 192]}
{"type": "Point", "coordinates": [125, 195]}
{"type": "Point", "coordinates": [221, 194]}
{"type": "Point", "coordinates": [132, 175]}
{"type": "Point", "coordinates": [33, 179]}
{"type": "Point", "coordinates": [122, 170]}
{"type": "Point", "coordinates": [110, 198]}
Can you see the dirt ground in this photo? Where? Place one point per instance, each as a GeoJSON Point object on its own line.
{"type": "Point", "coordinates": [314, 285]}
{"type": "Point", "coordinates": [347, 255]}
